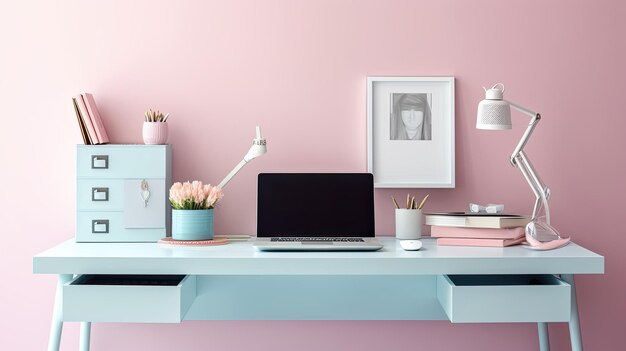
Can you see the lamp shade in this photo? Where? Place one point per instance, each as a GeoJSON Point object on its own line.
{"type": "Point", "coordinates": [494, 112]}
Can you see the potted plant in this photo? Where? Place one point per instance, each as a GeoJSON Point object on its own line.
{"type": "Point", "coordinates": [155, 127]}
{"type": "Point", "coordinates": [192, 210]}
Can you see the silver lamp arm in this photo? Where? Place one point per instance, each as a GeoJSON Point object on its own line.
{"type": "Point", "coordinates": [521, 161]}
{"type": "Point", "coordinates": [535, 117]}
{"type": "Point", "coordinates": [542, 192]}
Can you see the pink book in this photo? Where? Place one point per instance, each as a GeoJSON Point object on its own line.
{"type": "Point", "coordinates": [95, 118]}
{"type": "Point", "coordinates": [84, 113]}
{"type": "Point", "coordinates": [479, 242]}
{"type": "Point", "coordinates": [480, 233]}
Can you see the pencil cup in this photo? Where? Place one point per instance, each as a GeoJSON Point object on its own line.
{"type": "Point", "coordinates": [408, 224]}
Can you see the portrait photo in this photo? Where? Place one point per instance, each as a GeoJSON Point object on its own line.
{"type": "Point", "coordinates": [410, 116]}
{"type": "Point", "coordinates": [410, 132]}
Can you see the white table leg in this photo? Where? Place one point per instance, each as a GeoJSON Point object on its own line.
{"type": "Point", "coordinates": [56, 328]}
{"type": "Point", "coordinates": [574, 321]}
{"type": "Point", "coordinates": [544, 337]}
{"type": "Point", "coordinates": [85, 335]}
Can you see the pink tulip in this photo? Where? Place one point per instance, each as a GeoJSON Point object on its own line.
{"type": "Point", "coordinates": [201, 195]}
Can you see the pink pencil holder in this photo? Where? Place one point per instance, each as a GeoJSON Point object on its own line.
{"type": "Point", "coordinates": [154, 133]}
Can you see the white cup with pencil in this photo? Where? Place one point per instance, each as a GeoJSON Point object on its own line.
{"type": "Point", "coordinates": [409, 219]}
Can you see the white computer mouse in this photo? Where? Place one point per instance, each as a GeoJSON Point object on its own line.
{"type": "Point", "coordinates": [411, 245]}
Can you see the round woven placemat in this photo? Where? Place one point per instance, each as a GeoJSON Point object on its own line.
{"type": "Point", "coordinates": [170, 241]}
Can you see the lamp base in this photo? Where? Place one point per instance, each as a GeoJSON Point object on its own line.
{"type": "Point", "coordinates": [542, 236]}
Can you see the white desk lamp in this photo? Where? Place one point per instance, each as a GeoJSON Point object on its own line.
{"type": "Point", "coordinates": [494, 113]}
{"type": "Point", "coordinates": [257, 149]}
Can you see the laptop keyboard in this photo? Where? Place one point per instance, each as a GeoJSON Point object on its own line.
{"type": "Point", "coordinates": [349, 240]}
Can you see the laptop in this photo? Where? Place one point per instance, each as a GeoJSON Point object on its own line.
{"type": "Point", "coordinates": [316, 212]}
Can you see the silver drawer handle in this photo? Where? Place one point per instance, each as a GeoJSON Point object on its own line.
{"type": "Point", "coordinates": [99, 194]}
{"type": "Point", "coordinates": [100, 161]}
{"type": "Point", "coordinates": [100, 226]}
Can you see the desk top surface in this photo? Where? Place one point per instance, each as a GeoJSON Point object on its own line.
{"type": "Point", "coordinates": [240, 258]}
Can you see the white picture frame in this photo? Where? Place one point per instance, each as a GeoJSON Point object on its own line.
{"type": "Point", "coordinates": [410, 132]}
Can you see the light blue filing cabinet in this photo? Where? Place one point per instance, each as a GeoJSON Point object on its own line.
{"type": "Point", "coordinates": [122, 192]}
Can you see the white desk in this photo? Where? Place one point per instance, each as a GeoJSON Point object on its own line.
{"type": "Point", "coordinates": [235, 282]}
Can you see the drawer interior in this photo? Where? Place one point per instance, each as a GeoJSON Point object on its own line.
{"type": "Point", "coordinates": [134, 280]}
{"type": "Point", "coordinates": [503, 280]}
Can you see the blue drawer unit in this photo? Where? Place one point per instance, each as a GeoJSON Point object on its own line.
{"type": "Point", "coordinates": [122, 193]}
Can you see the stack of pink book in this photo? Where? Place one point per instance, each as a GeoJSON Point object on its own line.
{"type": "Point", "coordinates": [89, 121]}
{"type": "Point", "coordinates": [473, 230]}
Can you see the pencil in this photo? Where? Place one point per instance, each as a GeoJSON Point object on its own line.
{"type": "Point", "coordinates": [423, 202]}
{"type": "Point", "coordinates": [395, 202]}
{"type": "Point", "coordinates": [412, 206]}
{"type": "Point", "coordinates": [408, 199]}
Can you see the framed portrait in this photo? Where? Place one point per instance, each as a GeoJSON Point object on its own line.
{"type": "Point", "coordinates": [410, 131]}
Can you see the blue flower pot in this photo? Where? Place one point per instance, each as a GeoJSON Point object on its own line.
{"type": "Point", "coordinates": [192, 224]}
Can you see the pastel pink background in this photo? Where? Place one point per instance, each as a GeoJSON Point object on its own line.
{"type": "Point", "coordinates": [298, 68]}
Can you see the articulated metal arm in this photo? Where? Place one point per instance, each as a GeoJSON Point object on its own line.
{"type": "Point", "coordinates": [520, 160]}
{"type": "Point", "coordinates": [541, 191]}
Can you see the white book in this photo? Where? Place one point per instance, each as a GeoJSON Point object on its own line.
{"type": "Point", "coordinates": [474, 220]}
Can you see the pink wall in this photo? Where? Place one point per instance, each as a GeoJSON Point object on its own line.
{"type": "Point", "coordinates": [298, 69]}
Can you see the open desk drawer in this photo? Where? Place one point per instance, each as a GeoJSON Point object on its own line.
{"type": "Point", "coordinates": [128, 298]}
{"type": "Point", "coordinates": [504, 298]}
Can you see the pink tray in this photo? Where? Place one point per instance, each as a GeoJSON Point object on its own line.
{"type": "Point", "coordinates": [170, 241]}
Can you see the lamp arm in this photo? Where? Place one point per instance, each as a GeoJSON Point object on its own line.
{"type": "Point", "coordinates": [529, 130]}
{"type": "Point", "coordinates": [522, 109]}
{"type": "Point", "coordinates": [257, 149]}
{"type": "Point", "coordinates": [521, 161]}
{"type": "Point", "coordinates": [232, 173]}
{"type": "Point", "coordinates": [541, 191]}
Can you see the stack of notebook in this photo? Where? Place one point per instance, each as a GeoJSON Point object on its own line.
{"type": "Point", "coordinates": [470, 229]}
{"type": "Point", "coordinates": [89, 121]}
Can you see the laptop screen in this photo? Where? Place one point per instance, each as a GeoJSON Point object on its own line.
{"type": "Point", "coordinates": [315, 205]}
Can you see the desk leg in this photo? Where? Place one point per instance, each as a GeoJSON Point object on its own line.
{"type": "Point", "coordinates": [54, 343]}
{"type": "Point", "coordinates": [85, 335]}
{"type": "Point", "coordinates": [544, 336]}
{"type": "Point", "coordinates": [574, 321]}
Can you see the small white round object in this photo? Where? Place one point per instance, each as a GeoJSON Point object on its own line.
{"type": "Point", "coordinates": [411, 245]}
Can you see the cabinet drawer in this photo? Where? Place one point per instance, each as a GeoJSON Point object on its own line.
{"type": "Point", "coordinates": [504, 298]}
{"type": "Point", "coordinates": [99, 195]}
{"type": "Point", "coordinates": [109, 227]}
{"type": "Point", "coordinates": [120, 195]}
{"type": "Point", "coordinates": [128, 298]}
{"type": "Point", "coordinates": [123, 161]}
